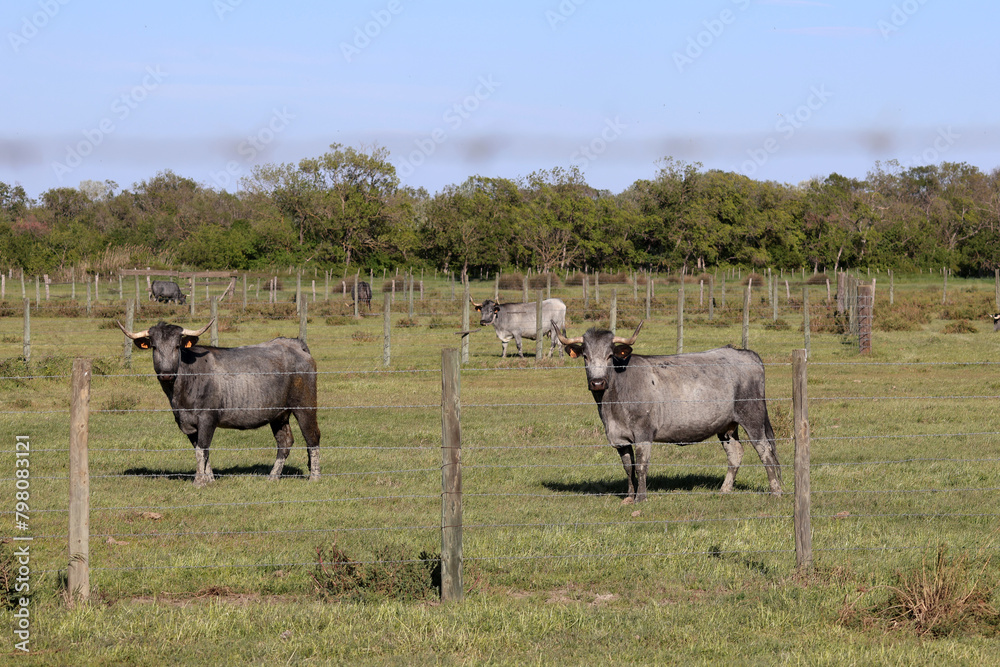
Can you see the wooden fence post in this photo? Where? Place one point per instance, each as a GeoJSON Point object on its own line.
{"type": "Point", "coordinates": [865, 312]}
{"type": "Point", "coordinates": [649, 292]}
{"type": "Point", "coordinates": [805, 316]}
{"type": "Point", "coordinates": [194, 298]}
{"type": "Point", "coordinates": [354, 297]}
{"type": "Point", "coordinates": [27, 331]}
{"type": "Point", "coordinates": [79, 483]}
{"type": "Point", "coordinates": [214, 310]}
{"type": "Point", "coordinates": [386, 317]}
{"type": "Point", "coordinates": [800, 409]}
{"type": "Point", "coordinates": [680, 319]}
{"type": "Point", "coordinates": [613, 311]}
{"type": "Point", "coordinates": [538, 328]}
{"type": "Point", "coordinates": [451, 478]}
{"type": "Point", "coordinates": [410, 309]}
{"type": "Point", "coordinates": [465, 315]}
{"type": "Point", "coordinates": [129, 324]}
{"type": "Point", "coordinates": [303, 317]}
{"type": "Point", "coordinates": [746, 315]}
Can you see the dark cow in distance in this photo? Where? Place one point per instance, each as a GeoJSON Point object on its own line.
{"type": "Point", "coordinates": [240, 388]}
{"type": "Point", "coordinates": [680, 399]}
{"type": "Point", "coordinates": [364, 294]}
{"type": "Point", "coordinates": [166, 291]}
{"type": "Point", "coordinates": [517, 320]}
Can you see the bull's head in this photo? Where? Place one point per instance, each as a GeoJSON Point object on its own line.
{"type": "Point", "coordinates": [166, 341]}
{"type": "Point", "coordinates": [488, 309]}
{"type": "Point", "coordinates": [601, 351]}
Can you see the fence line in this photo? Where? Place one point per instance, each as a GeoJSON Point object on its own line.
{"type": "Point", "coordinates": [485, 526]}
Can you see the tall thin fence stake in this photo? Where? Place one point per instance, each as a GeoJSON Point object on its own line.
{"type": "Point", "coordinates": [78, 573]}
{"type": "Point", "coordinates": [539, 329]}
{"type": "Point", "coordinates": [800, 410]}
{"type": "Point", "coordinates": [386, 317]}
{"type": "Point", "coordinates": [451, 478]}
{"type": "Point", "coordinates": [27, 331]}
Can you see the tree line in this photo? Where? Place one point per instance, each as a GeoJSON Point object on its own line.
{"type": "Point", "coordinates": [347, 208]}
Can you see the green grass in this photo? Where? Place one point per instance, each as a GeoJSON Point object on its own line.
{"type": "Point", "coordinates": [904, 454]}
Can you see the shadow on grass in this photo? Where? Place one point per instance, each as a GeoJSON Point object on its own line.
{"type": "Point", "coordinates": [187, 474]}
{"type": "Point", "coordinates": [654, 483]}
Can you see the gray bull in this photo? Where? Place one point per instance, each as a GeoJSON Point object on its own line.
{"type": "Point", "coordinates": [996, 321]}
{"type": "Point", "coordinates": [240, 387]}
{"type": "Point", "coordinates": [680, 399]}
{"type": "Point", "coordinates": [166, 291]}
{"type": "Point", "coordinates": [517, 320]}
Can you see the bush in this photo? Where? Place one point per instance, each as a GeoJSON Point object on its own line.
{"type": "Point", "coordinates": [392, 574]}
{"type": "Point", "coordinates": [935, 602]}
{"type": "Point", "coordinates": [960, 327]}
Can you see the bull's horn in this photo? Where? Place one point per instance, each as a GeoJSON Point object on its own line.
{"type": "Point", "coordinates": [133, 336]}
{"type": "Point", "coordinates": [476, 305]}
{"type": "Point", "coordinates": [628, 341]}
{"type": "Point", "coordinates": [190, 332]}
{"type": "Point", "coordinates": [569, 341]}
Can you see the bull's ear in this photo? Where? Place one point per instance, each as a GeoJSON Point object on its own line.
{"type": "Point", "coordinates": [188, 341]}
{"type": "Point", "coordinates": [479, 309]}
{"type": "Point", "coordinates": [622, 352]}
{"type": "Point", "coordinates": [574, 351]}
{"type": "Point", "coordinates": [142, 343]}
{"type": "Point", "coordinates": [496, 308]}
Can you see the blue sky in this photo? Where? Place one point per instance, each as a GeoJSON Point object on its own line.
{"type": "Point", "coordinates": [781, 90]}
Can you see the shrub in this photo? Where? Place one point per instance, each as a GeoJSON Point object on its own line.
{"type": "Point", "coordinates": [363, 337]}
{"type": "Point", "coordinates": [512, 281]}
{"type": "Point", "coordinates": [392, 574]}
{"type": "Point", "coordinates": [933, 601]}
{"type": "Point", "coordinates": [960, 327]}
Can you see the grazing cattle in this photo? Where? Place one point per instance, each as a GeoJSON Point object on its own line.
{"type": "Point", "coordinates": [364, 294]}
{"type": "Point", "coordinates": [517, 321]}
{"type": "Point", "coordinates": [240, 387]}
{"type": "Point", "coordinates": [680, 399]}
{"type": "Point", "coordinates": [996, 321]}
{"type": "Point", "coordinates": [166, 291]}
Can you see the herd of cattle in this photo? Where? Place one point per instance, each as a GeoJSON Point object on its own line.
{"type": "Point", "coordinates": [680, 399]}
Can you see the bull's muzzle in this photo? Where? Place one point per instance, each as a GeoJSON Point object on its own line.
{"type": "Point", "coordinates": [597, 384]}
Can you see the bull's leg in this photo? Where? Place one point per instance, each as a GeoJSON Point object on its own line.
{"type": "Point", "coordinates": [283, 436]}
{"type": "Point", "coordinates": [503, 349]}
{"type": "Point", "coordinates": [734, 454]}
{"type": "Point", "coordinates": [520, 351]}
{"type": "Point", "coordinates": [310, 431]}
{"type": "Point", "coordinates": [202, 440]}
{"type": "Point", "coordinates": [762, 439]}
{"type": "Point", "coordinates": [628, 463]}
{"type": "Point", "coordinates": [643, 452]}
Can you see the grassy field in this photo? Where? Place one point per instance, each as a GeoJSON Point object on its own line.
{"type": "Point", "coordinates": [905, 453]}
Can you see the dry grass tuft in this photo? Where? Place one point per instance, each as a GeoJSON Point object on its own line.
{"type": "Point", "coordinates": [933, 601]}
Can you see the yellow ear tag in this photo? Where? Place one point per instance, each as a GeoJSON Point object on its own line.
{"type": "Point", "coordinates": [188, 343]}
{"type": "Point", "coordinates": [144, 346]}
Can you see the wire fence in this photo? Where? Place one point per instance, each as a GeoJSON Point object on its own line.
{"type": "Point", "coordinates": [541, 488]}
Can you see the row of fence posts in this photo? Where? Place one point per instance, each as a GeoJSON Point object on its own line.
{"type": "Point", "coordinates": [452, 589]}
{"type": "Point", "coordinates": [854, 298]}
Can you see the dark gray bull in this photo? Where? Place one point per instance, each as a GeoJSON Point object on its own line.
{"type": "Point", "coordinates": [680, 399]}
{"type": "Point", "coordinates": [364, 294]}
{"type": "Point", "coordinates": [166, 291]}
{"type": "Point", "coordinates": [240, 387]}
{"type": "Point", "coordinates": [517, 320]}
